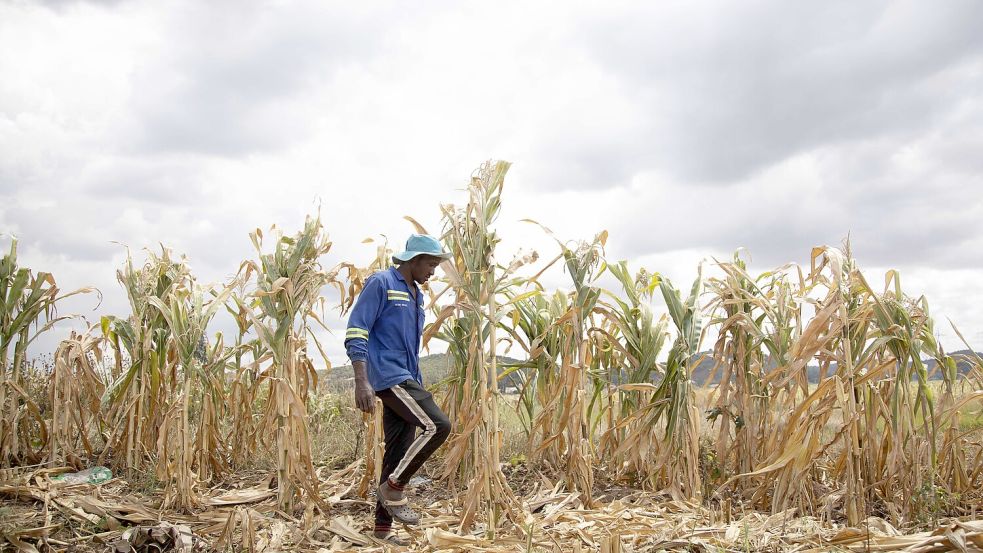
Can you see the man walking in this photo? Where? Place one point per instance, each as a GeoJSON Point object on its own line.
{"type": "Point", "coordinates": [383, 343]}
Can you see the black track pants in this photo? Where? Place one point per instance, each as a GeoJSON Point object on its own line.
{"type": "Point", "coordinates": [406, 407]}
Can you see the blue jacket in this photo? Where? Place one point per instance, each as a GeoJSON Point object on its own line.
{"type": "Point", "coordinates": [385, 328]}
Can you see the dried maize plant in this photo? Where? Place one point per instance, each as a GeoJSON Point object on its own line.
{"type": "Point", "coordinates": [661, 433]}
{"type": "Point", "coordinates": [961, 455]}
{"type": "Point", "coordinates": [531, 327]}
{"type": "Point", "coordinates": [190, 446]}
{"type": "Point", "coordinates": [634, 339]}
{"type": "Point", "coordinates": [671, 408]}
{"type": "Point", "coordinates": [757, 319]}
{"type": "Point", "coordinates": [374, 450]}
{"type": "Point", "coordinates": [470, 325]}
{"type": "Point", "coordinates": [606, 363]}
{"type": "Point", "coordinates": [957, 449]}
{"type": "Point", "coordinates": [562, 427]}
{"type": "Point", "coordinates": [885, 453]}
{"type": "Point", "coordinates": [247, 355]}
{"type": "Point", "coordinates": [910, 415]}
{"type": "Point", "coordinates": [77, 383]}
{"type": "Point", "coordinates": [288, 285]}
{"type": "Point", "coordinates": [27, 309]}
{"type": "Point", "coordinates": [864, 438]}
{"type": "Point", "coordinates": [144, 378]}
{"type": "Point", "coordinates": [831, 337]}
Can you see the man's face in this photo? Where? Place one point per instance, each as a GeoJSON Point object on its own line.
{"type": "Point", "coordinates": [422, 267]}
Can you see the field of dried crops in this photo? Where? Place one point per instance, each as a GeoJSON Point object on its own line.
{"type": "Point", "coordinates": [228, 443]}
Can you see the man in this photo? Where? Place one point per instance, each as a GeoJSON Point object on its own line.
{"type": "Point", "coordinates": [383, 343]}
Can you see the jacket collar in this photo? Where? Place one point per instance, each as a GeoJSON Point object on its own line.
{"type": "Point", "coordinates": [399, 275]}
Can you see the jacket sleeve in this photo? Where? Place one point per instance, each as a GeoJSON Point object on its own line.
{"type": "Point", "coordinates": [367, 308]}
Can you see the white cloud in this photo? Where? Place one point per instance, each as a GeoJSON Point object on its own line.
{"type": "Point", "coordinates": [685, 131]}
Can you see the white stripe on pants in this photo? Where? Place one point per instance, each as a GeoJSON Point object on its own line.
{"type": "Point", "coordinates": [429, 431]}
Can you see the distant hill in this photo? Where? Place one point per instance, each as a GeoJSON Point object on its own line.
{"type": "Point", "coordinates": [701, 375]}
{"type": "Point", "coordinates": [437, 367]}
{"type": "Point", "coordinates": [963, 365]}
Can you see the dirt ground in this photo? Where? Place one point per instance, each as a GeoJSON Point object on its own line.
{"type": "Point", "coordinates": [240, 514]}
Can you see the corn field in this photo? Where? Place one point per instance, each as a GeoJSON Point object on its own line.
{"type": "Point", "coordinates": [829, 400]}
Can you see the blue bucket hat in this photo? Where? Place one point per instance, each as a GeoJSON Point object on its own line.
{"type": "Point", "coordinates": [421, 244]}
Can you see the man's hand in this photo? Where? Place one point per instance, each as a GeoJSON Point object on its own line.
{"type": "Point", "coordinates": [364, 396]}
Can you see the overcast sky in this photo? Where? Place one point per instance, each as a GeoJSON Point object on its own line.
{"type": "Point", "coordinates": [685, 129]}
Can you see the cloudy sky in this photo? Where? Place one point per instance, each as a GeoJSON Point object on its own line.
{"type": "Point", "coordinates": [685, 129]}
